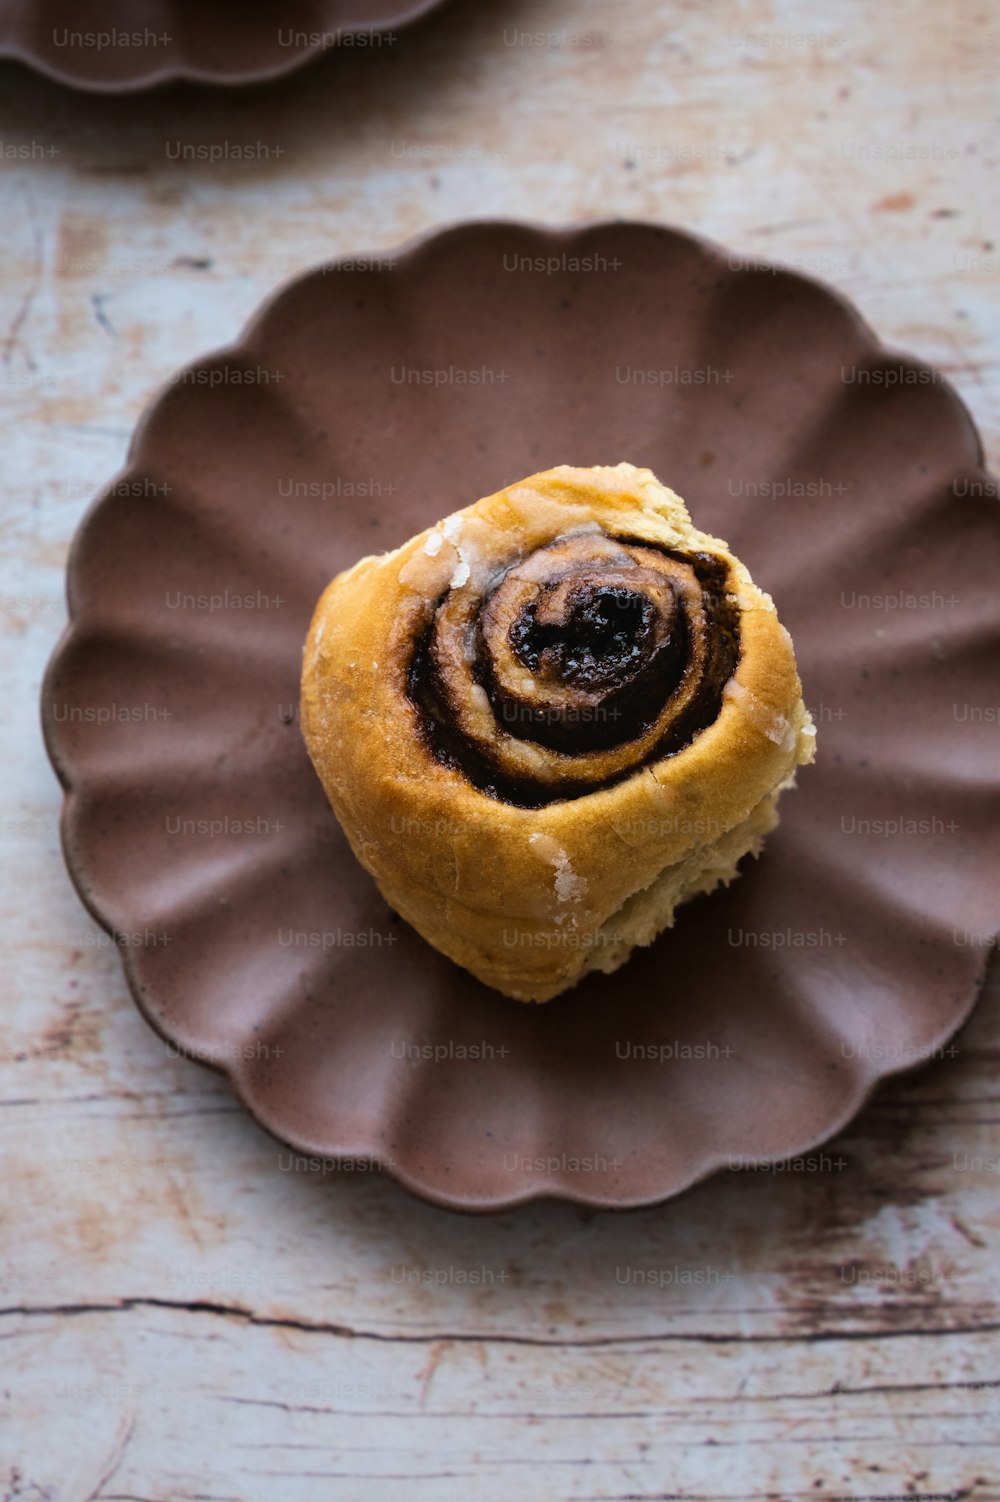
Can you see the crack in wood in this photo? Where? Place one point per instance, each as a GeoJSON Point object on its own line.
{"type": "Point", "coordinates": [324, 1327]}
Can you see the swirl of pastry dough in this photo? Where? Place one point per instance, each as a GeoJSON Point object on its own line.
{"type": "Point", "coordinates": [577, 665]}
{"type": "Point", "coordinates": [549, 719]}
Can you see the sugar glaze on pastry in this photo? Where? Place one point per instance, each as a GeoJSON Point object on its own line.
{"type": "Point", "coordinates": [549, 720]}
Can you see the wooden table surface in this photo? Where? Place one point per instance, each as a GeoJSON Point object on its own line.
{"type": "Point", "coordinates": [186, 1311]}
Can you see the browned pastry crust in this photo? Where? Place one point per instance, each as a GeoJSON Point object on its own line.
{"type": "Point", "coordinates": [551, 718]}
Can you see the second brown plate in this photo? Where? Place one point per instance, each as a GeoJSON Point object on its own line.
{"type": "Point", "coordinates": [125, 46]}
{"type": "Point", "coordinates": [369, 399]}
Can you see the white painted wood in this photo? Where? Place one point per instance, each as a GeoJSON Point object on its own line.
{"type": "Point", "coordinates": [187, 1316]}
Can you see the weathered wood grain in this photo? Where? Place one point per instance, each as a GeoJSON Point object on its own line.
{"type": "Point", "coordinates": [184, 1311]}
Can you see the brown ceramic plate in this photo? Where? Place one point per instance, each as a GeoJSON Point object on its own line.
{"type": "Point", "coordinates": [129, 44]}
{"type": "Point", "coordinates": [363, 403]}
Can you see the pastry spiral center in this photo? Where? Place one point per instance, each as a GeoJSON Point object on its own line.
{"type": "Point", "coordinates": [584, 635]}
{"type": "Point", "coordinates": [583, 661]}
{"type": "Point", "coordinates": [580, 657]}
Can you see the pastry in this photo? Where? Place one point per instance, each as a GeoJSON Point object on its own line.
{"type": "Point", "coordinates": [549, 720]}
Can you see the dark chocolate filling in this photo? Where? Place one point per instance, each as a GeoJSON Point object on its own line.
{"type": "Point", "coordinates": [611, 655]}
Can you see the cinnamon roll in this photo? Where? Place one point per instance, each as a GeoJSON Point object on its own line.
{"type": "Point", "coordinates": [549, 720]}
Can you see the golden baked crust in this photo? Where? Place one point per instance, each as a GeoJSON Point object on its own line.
{"type": "Point", "coordinates": [519, 895]}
